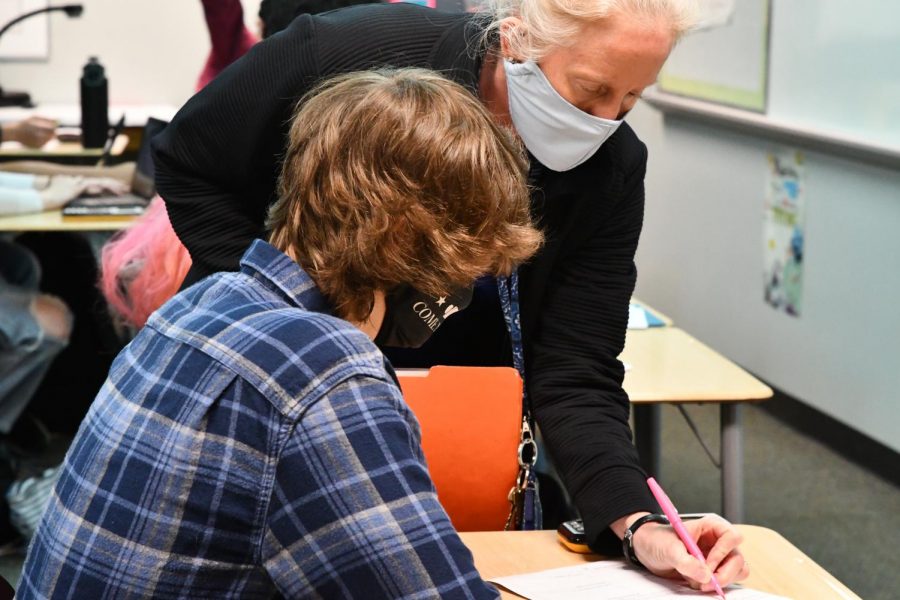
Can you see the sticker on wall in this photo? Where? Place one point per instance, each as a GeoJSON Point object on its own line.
{"type": "Point", "coordinates": [783, 232]}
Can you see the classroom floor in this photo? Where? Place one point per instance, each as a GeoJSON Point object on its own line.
{"type": "Point", "coordinates": [836, 512]}
{"type": "Point", "coordinates": [842, 516]}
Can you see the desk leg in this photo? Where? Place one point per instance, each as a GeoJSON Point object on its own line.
{"type": "Point", "coordinates": [731, 424]}
{"type": "Point", "coordinates": [647, 435]}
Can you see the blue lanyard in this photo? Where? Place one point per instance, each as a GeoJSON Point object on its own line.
{"type": "Point", "coordinates": [509, 302]}
{"type": "Point", "coordinates": [528, 515]}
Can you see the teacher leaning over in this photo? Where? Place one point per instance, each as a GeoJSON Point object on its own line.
{"type": "Point", "coordinates": [562, 74]}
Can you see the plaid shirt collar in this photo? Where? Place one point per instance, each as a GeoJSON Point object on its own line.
{"type": "Point", "coordinates": [279, 273]}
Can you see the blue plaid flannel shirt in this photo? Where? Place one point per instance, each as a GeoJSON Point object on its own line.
{"type": "Point", "coordinates": [248, 445]}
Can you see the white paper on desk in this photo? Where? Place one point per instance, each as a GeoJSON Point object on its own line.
{"type": "Point", "coordinates": [610, 580]}
{"type": "Point", "coordinates": [637, 317]}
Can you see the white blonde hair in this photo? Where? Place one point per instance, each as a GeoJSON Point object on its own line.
{"type": "Point", "coordinates": [547, 24]}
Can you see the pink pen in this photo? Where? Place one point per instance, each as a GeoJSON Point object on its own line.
{"type": "Point", "coordinates": [676, 523]}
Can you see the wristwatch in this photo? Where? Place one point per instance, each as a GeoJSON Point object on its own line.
{"type": "Point", "coordinates": [628, 538]}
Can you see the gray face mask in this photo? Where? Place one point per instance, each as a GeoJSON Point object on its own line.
{"type": "Point", "coordinates": [556, 132]}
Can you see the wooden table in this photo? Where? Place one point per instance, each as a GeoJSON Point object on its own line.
{"type": "Point", "coordinates": [776, 565]}
{"type": "Point", "coordinates": [669, 366]}
{"type": "Point", "coordinates": [52, 220]}
{"type": "Point", "coordinates": [58, 151]}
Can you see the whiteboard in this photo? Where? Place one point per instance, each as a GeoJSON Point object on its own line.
{"type": "Point", "coordinates": [833, 75]}
{"type": "Point", "coordinates": [28, 40]}
{"type": "Point", "coordinates": [836, 66]}
{"type": "Point", "coordinates": [727, 62]}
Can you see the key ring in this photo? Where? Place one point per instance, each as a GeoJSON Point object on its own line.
{"type": "Point", "coordinates": [527, 443]}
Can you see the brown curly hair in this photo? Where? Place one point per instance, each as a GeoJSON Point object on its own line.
{"type": "Point", "coordinates": [396, 177]}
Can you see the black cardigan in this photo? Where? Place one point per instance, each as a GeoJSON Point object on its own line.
{"type": "Point", "coordinates": [216, 168]}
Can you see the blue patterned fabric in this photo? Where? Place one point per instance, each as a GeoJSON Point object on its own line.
{"type": "Point", "coordinates": [509, 302]}
{"type": "Point", "coordinates": [248, 445]}
{"type": "Point", "coordinates": [532, 511]}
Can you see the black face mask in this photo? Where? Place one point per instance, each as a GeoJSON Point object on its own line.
{"type": "Point", "coordinates": [411, 317]}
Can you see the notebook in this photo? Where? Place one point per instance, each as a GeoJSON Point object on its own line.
{"type": "Point", "coordinates": [641, 318]}
{"type": "Point", "coordinates": [142, 186]}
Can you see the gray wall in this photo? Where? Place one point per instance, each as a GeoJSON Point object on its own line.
{"type": "Point", "coordinates": [701, 261]}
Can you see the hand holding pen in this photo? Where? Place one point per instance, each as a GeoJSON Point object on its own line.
{"type": "Point", "coordinates": [662, 552]}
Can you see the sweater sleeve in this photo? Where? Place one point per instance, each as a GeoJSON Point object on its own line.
{"type": "Point", "coordinates": [576, 377]}
{"type": "Point", "coordinates": [17, 201]}
{"type": "Point", "coordinates": [217, 161]}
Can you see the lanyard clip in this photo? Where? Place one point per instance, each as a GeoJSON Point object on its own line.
{"type": "Point", "coordinates": [528, 450]}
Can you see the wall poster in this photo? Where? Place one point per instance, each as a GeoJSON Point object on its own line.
{"type": "Point", "coordinates": [783, 232]}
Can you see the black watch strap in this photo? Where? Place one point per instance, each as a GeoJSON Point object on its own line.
{"type": "Point", "coordinates": [628, 539]}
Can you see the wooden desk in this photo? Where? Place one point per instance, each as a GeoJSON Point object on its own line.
{"type": "Point", "coordinates": [56, 150]}
{"type": "Point", "coordinates": [670, 366]}
{"type": "Point", "coordinates": [776, 565]}
{"type": "Point", "coordinates": [69, 115]}
{"type": "Point", "coordinates": [52, 220]}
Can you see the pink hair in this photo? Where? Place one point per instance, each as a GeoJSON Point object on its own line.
{"type": "Point", "coordinates": [143, 266]}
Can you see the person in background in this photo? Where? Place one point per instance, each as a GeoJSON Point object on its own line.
{"type": "Point", "coordinates": [37, 329]}
{"type": "Point", "coordinates": [252, 441]}
{"type": "Point", "coordinates": [562, 74]}
{"type": "Point", "coordinates": [32, 132]}
{"type": "Point", "coordinates": [34, 328]}
{"type": "Point", "coordinates": [142, 267]}
{"type": "Point", "coordinates": [229, 37]}
{"type": "Point", "coordinates": [22, 193]}
{"type": "Point", "coordinates": [64, 390]}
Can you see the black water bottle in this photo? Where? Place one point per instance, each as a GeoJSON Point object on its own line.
{"type": "Point", "coordinates": [94, 105]}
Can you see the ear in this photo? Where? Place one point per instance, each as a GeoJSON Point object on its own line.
{"type": "Point", "coordinates": [511, 28]}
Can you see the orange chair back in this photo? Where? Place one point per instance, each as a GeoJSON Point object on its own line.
{"type": "Point", "coordinates": [470, 419]}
